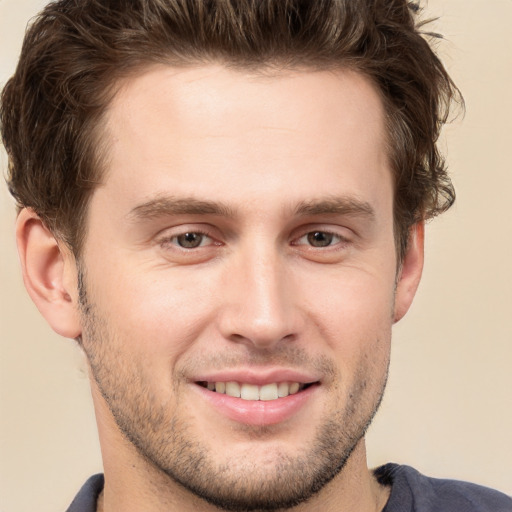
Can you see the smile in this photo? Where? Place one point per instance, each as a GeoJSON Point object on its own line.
{"type": "Point", "coordinates": [267, 392]}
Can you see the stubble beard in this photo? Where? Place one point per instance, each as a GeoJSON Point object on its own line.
{"type": "Point", "coordinates": [165, 442]}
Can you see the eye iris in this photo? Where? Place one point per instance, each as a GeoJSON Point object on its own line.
{"type": "Point", "coordinates": [190, 240]}
{"type": "Point", "coordinates": [320, 239]}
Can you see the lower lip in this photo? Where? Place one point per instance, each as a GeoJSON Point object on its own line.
{"type": "Point", "coordinates": [257, 412]}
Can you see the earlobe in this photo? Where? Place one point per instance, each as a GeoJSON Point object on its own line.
{"type": "Point", "coordinates": [48, 271]}
{"type": "Point", "coordinates": [409, 275]}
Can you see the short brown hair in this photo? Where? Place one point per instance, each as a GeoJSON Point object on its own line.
{"type": "Point", "coordinates": [76, 51]}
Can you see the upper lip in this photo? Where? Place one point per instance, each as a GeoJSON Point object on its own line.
{"type": "Point", "coordinates": [258, 377]}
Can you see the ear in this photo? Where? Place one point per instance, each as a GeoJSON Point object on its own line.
{"type": "Point", "coordinates": [409, 274]}
{"type": "Point", "coordinates": [49, 274]}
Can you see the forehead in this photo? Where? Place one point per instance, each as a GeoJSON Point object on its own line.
{"type": "Point", "coordinates": [199, 130]}
{"type": "Point", "coordinates": [223, 101]}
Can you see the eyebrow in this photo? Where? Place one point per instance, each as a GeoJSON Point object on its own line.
{"type": "Point", "coordinates": [168, 205]}
{"type": "Point", "coordinates": [162, 206]}
{"type": "Point", "coordinates": [336, 206]}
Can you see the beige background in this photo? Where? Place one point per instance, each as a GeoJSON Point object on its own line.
{"type": "Point", "coordinates": [448, 408]}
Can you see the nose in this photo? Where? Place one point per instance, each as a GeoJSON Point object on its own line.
{"type": "Point", "coordinates": [259, 301]}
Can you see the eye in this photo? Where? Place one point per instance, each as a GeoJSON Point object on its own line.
{"type": "Point", "coordinates": [189, 240]}
{"type": "Point", "coordinates": [319, 239]}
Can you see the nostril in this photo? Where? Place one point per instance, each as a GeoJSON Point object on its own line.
{"type": "Point", "coordinates": [262, 339]}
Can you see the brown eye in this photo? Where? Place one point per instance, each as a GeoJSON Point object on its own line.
{"type": "Point", "coordinates": [190, 240]}
{"type": "Point", "coordinates": [320, 238]}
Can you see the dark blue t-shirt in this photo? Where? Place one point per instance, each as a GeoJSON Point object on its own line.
{"type": "Point", "coordinates": [410, 492]}
{"type": "Point", "coordinates": [413, 492]}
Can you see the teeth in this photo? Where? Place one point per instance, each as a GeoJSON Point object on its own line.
{"type": "Point", "coordinates": [233, 389]}
{"type": "Point", "coordinates": [294, 388]}
{"type": "Point", "coordinates": [283, 389]}
{"type": "Point", "coordinates": [249, 392]}
{"type": "Point", "coordinates": [252, 392]}
{"type": "Point", "coordinates": [268, 392]}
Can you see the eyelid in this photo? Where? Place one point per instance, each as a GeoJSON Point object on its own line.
{"type": "Point", "coordinates": [205, 240]}
{"type": "Point", "coordinates": [168, 235]}
{"type": "Point", "coordinates": [339, 238]}
{"type": "Point", "coordinates": [340, 232]}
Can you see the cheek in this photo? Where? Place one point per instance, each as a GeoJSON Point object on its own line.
{"type": "Point", "coordinates": [155, 312]}
{"type": "Point", "coordinates": [354, 316]}
{"type": "Point", "coordinates": [352, 302]}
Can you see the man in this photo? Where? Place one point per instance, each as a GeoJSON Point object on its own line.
{"type": "Point", "coordinates": [223, 202]}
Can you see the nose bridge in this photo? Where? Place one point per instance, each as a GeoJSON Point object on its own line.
{"type": "Point", "coordinates": [259, 306]}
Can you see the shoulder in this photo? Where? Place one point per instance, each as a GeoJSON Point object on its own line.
{"type": "Point", "coordinates": [413, 492]}
{"type": "Point", "coordinates": [85, 500]}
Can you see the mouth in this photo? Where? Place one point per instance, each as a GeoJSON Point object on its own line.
{"type": "Point", "coordinates": [258, 398]}
{"type": "Point", "coordinates": [252, 392]}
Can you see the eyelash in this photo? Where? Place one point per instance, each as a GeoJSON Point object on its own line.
{"type": "Point", "coordinates": [334, 239]}
{"type": "Point", "coordinates": [172, 240]}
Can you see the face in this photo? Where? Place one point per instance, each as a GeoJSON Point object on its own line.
{"type": "Point", "coordinates": [239, 278]}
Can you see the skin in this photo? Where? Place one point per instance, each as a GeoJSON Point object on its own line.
{"type": "Point", "coordinates": [267, 160]}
